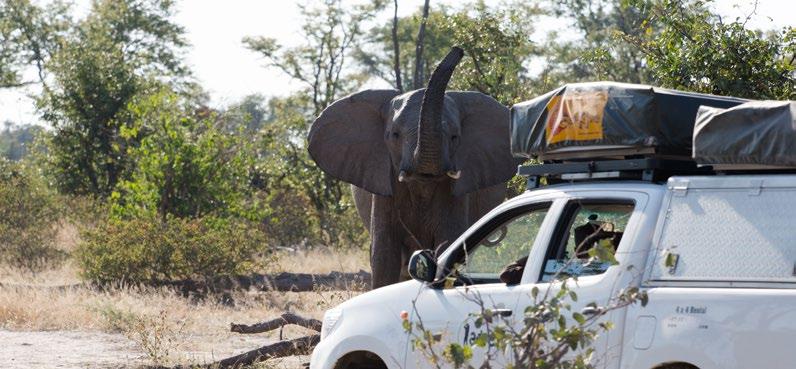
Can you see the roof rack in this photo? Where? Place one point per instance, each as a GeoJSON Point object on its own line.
{"type": "Point", "coordinates": [644, 169]}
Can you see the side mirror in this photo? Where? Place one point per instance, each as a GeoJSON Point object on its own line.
{"type": "Point", "coordinates": [423, 266]}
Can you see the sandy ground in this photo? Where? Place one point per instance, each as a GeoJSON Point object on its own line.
{"type": "Point", "coordinates": [68, 349]}
{"type": "Point", "coordinates": [77, 349]}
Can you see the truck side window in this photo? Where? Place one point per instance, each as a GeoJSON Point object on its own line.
{"type": "Point", "coordinates": [584, 227]}
{"type": "Point", "coordinates": [505, 243]}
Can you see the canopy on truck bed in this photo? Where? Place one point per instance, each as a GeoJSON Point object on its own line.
{"type": "Point", "coordinates": [608, 119]}
{"type": "Point", "coordinates": [753, 135]}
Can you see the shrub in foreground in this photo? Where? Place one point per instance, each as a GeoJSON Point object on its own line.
{"type": "Point", "coordinates": [29, 215]}
{"type": "Point", "coordinates": [153, 249]}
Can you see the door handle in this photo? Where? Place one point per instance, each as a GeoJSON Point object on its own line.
{"type": "Point", "coordinates": [591, 310]}
{"type": "Point", "coordinates": [503, 312]}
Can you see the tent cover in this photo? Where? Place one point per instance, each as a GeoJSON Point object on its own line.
{"type": "Point", "coordinates": [590, 116]}
{"type": "Point", "coordinates": [753, 134]}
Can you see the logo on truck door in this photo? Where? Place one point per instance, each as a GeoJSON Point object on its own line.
{"type": "Point", "coordinates": [575, 116]}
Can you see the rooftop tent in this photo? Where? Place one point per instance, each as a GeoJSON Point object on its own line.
{"type": "Point", "coordinates": [753, 135]}
{"type": "Point", "coordinates": [606, 119]}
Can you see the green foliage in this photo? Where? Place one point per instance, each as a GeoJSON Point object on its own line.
{"type": "Point", "coordinates": [149, 249]}
{"type": "Point", "coordinates": [697, 51]}
{"type": "Point", "coordinates": [29, 215]}
{"type": "Point", "coordinates": [303, 203]}
{"type": "Point", "coordinates": [107, 59]}
{"type": "Point", "coordinates": [185, 165]}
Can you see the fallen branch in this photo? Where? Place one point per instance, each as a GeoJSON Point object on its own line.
{"type": "Point", "coordinates": [297, 346]}
{"type": "Point", "coordinates": [285, 319]}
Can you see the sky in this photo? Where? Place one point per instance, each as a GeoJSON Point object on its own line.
{"type": "Point", "coordinates": [229, 71]}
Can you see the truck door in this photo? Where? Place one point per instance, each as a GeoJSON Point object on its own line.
{"type": "Point", "coordinates": [589, 220]}
{"type": "Point", "coordinates": [475, 265]}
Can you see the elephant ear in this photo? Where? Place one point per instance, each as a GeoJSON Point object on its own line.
{"type": "Point", "coordinates": [484, 154]}
{"type": "Point", "coordinates": [347, 140]}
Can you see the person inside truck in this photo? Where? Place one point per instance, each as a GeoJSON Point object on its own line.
{"type": "Point", "coordinates": [593, 231]}
{"type": "Point", "coordinates": [512, 273]}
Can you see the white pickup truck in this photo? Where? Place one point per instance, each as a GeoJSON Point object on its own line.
{"type": "Point", "coordinates": [728, 301]}
{"type": "Point", "coordinates": [714, 252]}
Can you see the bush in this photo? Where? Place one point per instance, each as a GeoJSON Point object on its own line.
{"type": "Point", "coordinates": [150, 249]}
{"type": "Point", "coordinates": [186, 167]}
{"type": "Point", "coordinates": [28, 219]}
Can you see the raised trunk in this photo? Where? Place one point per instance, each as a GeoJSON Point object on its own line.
{"type": "Point", "coordinates": [428, 154]}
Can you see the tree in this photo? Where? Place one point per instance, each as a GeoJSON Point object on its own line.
{"type": "Point", "coordinates": [249, 114]}
{"type": "Point", "coordinates": [376, 53]}
{"type": "Point", "coordinates": [601, 51]}
{"type": "Point", "coordinates": [120, 50]}
{"type": "Point", "coordinates": [286, 172]}
{"type": "Point", "coordinates": [17, 141]}
{"type": "Point", "coordinates": [496, 41]}
{"type": "Point", "coordinates": [321, 62]}
{"type": "Point", "coordinates": [29, 36]}
{"type": "Point", "coordinates": [697, 50]}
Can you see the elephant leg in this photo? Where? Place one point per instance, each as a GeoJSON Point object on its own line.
{"type": "Point", "coordinates": [363, 201]}
{"type": "Point", "coordinates": [386, 243]}
{"type": "Point", "coordinates": [454, 225]}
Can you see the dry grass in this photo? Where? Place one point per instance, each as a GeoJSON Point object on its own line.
{"type": "Point", "coordinates": [166, 327]}
{"type": "Point", "coordinates": [321, 261]}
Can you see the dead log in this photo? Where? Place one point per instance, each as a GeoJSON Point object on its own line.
{"type": "Point", "coordinates": [297, 346]}
{"type": "Point", "coordinates": [285, 319]}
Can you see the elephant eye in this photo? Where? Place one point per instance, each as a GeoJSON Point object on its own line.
{"type": "Point", "coordinates": [454, 138]}
{"type": "Point", "coordinates": [396, 134]}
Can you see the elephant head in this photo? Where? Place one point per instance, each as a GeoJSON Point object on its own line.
{"type": "Point", "coordinates": [376, 139]}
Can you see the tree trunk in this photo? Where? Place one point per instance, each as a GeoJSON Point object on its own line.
{"type": "Point", "coordinates": [396, 50]}
{"type": "Point", "coordinates": [417, 81]}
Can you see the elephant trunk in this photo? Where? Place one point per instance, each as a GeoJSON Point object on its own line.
{"type": "Point", "coordinates": [428, 154]}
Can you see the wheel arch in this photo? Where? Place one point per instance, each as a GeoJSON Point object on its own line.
{"type": "Point", "coordinates": [360, 359]}
{"type": "Point", "coordinates": [676, 365]}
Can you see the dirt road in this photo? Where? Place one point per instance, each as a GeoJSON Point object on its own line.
{"type": "Point", "coordinates": [67, 349]}
{"type": "Point", "coordinates": [75, 349]}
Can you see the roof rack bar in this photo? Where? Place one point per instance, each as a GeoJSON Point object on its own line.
{"type": "Point", "coordinates": [556, 169]}
{"type": "Point", "coordinates": [644, 169]}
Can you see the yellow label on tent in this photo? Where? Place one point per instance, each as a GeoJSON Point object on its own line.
{"type": "Point", "coordinates": [576, 117]}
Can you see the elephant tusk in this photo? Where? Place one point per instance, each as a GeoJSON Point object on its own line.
{"type": "Point", "coordinates": [455, 175]}
{"type": "Point", "coordinates": [402, 176]}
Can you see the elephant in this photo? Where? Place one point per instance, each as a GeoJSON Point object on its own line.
{"type": "Point", "coordinates": [424, 165]}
